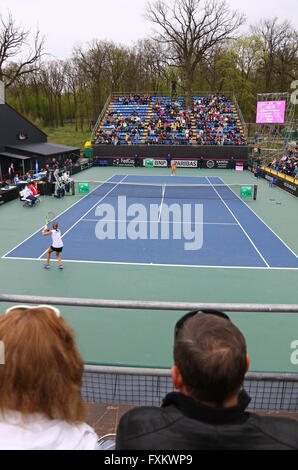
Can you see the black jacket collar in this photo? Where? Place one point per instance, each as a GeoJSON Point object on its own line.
{"type": "Point", "coordinates": [196, 410]}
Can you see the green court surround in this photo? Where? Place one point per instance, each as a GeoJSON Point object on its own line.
{"type": "Point", "coordinates": [144, 338]}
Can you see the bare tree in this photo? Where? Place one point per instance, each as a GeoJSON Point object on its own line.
{"type": "Point", "coordinates": [189, 29]}
{"type": "Point", "coordinates": [71, 85]}
{"type": "Point", "coordinates": [278, 50]}
{"type": "Point", "coordinates": [92, 65]}
{"type": "Point", "coordinates": [116, 65]}
{"type": "Point", "coordinates": [146, 70]}
{"type": "Point", "coordinates": [13, 39]}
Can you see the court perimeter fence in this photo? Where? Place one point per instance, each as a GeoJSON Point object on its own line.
{"type": "Point", "coordinates": [144, 386]}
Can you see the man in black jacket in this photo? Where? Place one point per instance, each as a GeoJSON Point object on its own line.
{"type": "Point", "coordinates": [209, 410]}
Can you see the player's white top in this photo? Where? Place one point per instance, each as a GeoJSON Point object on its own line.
{"type": "Point", "coordinates": [56, 239]}
{"type": "Point", "coordinates": [25, 192]}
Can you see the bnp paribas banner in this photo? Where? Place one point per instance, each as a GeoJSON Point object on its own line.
{"type": "Point", "coordinates": [151, 162]}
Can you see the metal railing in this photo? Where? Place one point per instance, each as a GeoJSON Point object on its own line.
{"type": "Point", "coordinates": [167, 93]}
{"type": "Point", "coordinates": [244, 126]}
{"type": "Point", "coordinates": [148, 386]}
{"type": "Point", "coordinates": [100, 117]}
{"type": "Point", "coordinates": [150, 305]}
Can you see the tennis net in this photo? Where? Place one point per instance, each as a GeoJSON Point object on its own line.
{"type": "Point", "coordinates": [223, 192]}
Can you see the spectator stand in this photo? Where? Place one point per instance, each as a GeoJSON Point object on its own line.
{"type": "Point", "coordinates": [287, 164]}
{"type": "Point", "coordinates": [216, 122]}
{"type": "Point", "coordinates": [170, 123]}
{"type": "Point", "coordinates": [124, 121]}
{"type": "Point", "coordinates": [156, 119]}
{"type": "Point", "coordinates": [282, 172]}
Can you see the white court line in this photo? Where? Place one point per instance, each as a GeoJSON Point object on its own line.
{"type": "Point", "coordinates": [165, 265]}
{"type": "Point", "coordinates": [259, 253]}
{"type": "Point", "coordinates": [61, 213]}
{"type": "Point", "coordinates": [97, 202]}
{"type": "Point", "coordinates": [277, 236]}
{"type": "Point", "coordinates": [161, 204]}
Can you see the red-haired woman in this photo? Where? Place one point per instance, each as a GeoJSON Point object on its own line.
{"type": "Point", "coordinates": [41, 407]}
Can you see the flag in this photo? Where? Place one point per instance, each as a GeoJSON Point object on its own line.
{"type": "Point", "coordinates": [36, 168]}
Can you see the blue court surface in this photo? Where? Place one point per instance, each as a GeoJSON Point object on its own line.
{"type": "Point", "coordinates": [163, 220]}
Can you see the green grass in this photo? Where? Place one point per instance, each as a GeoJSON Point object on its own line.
{"type": "Point", "coordinates": [67, 135]}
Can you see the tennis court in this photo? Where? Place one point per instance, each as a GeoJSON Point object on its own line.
{"type": "Point", "coordinates": [247, 255]}
{"type": "Point", "coordinates": [191, 221]}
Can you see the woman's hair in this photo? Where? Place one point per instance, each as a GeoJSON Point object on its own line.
{"type": "Point", "coordinates": [43, 369]}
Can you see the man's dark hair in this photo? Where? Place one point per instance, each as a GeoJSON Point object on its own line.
{"type": "Point", "coordinates": [210, 353]}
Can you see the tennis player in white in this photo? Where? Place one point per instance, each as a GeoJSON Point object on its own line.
{"type": "Point", "coordinates": [57, 244]}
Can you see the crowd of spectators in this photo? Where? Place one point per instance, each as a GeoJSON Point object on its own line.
{"type": "Point", "coordinates": [213, 117]}
{"type": "Point", "coordinates": [121, 129]}
{"type": "Point", "coordinates": [133, 99]}
{"type": "Point", "coordinates": [169, 123]}
{"type": "Point", "coordinates": [125, 121]}
{"type": "Point", "coordinates": [287, 164]}
{"type": "Point", "coordinates": [215, 121]}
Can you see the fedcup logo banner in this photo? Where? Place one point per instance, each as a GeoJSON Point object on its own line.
{"type": "Point", "coordinates": [154, 222]}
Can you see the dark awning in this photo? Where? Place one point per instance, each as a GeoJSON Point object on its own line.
{"type": "Point", "coordinates": [45, 149]}
{"type": "Point", "coordinates": [13, 155]}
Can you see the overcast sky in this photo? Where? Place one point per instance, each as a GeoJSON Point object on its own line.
{"type": "Point", "coordinates": [65, 23]}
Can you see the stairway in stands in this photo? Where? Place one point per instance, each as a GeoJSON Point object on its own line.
{"type": "Point", "coordinates": [193, 129]}
{"type": "Point", "coordinates": [239, 123]}
{"type": "Point", "coordinates": [148, 117]}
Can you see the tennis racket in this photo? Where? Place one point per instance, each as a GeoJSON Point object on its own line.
{"type": "Point", "coordinates": [49, 217]}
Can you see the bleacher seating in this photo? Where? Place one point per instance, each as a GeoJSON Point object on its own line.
{"type": "Point", "coordinates": [287, 164]}
{"type": "Point", "coordinates": [216, 121]}
{"type": "Point", "coordinates": [125, 121]}
{"type": "Point", "coordinates": [142, 119]}
{"type": "Point", "coordinates": [169, 122]}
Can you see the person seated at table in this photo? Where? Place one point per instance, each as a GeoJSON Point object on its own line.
{"type": "Point", "coordinates": [59, 188]}
{"type": "Point", "coordinates": [34, 190]}
{"type": "Point", "coordinates": [42, 175]}
{"type": "Point", "coordinates": [27, 176]}
{"type": "Point", "coordinates": [26, 195]}
{"type": "Point", "coordinates": [17, 181]}
{"type": "Point", "coordinates": [5, 184]}
{"type": "Point", "coordinates": [66, 181]}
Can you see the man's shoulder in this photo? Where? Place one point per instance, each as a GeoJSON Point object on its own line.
{"type": "Point", "coordinates": [273, 421]}
{"type": "Point", "coordinates": [149, 426]}
{"type": "Point", "coordinates": [148, 418]}
{"type": "Point", "coordinates": [151, 414]}
{"type": "Point", "coordinates": [280, 428]}
{"type": "Point", "coordinates": [146, 427]}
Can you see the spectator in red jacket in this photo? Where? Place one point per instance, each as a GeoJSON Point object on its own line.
{"type": "Point", "coordinates": [34, 190]}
